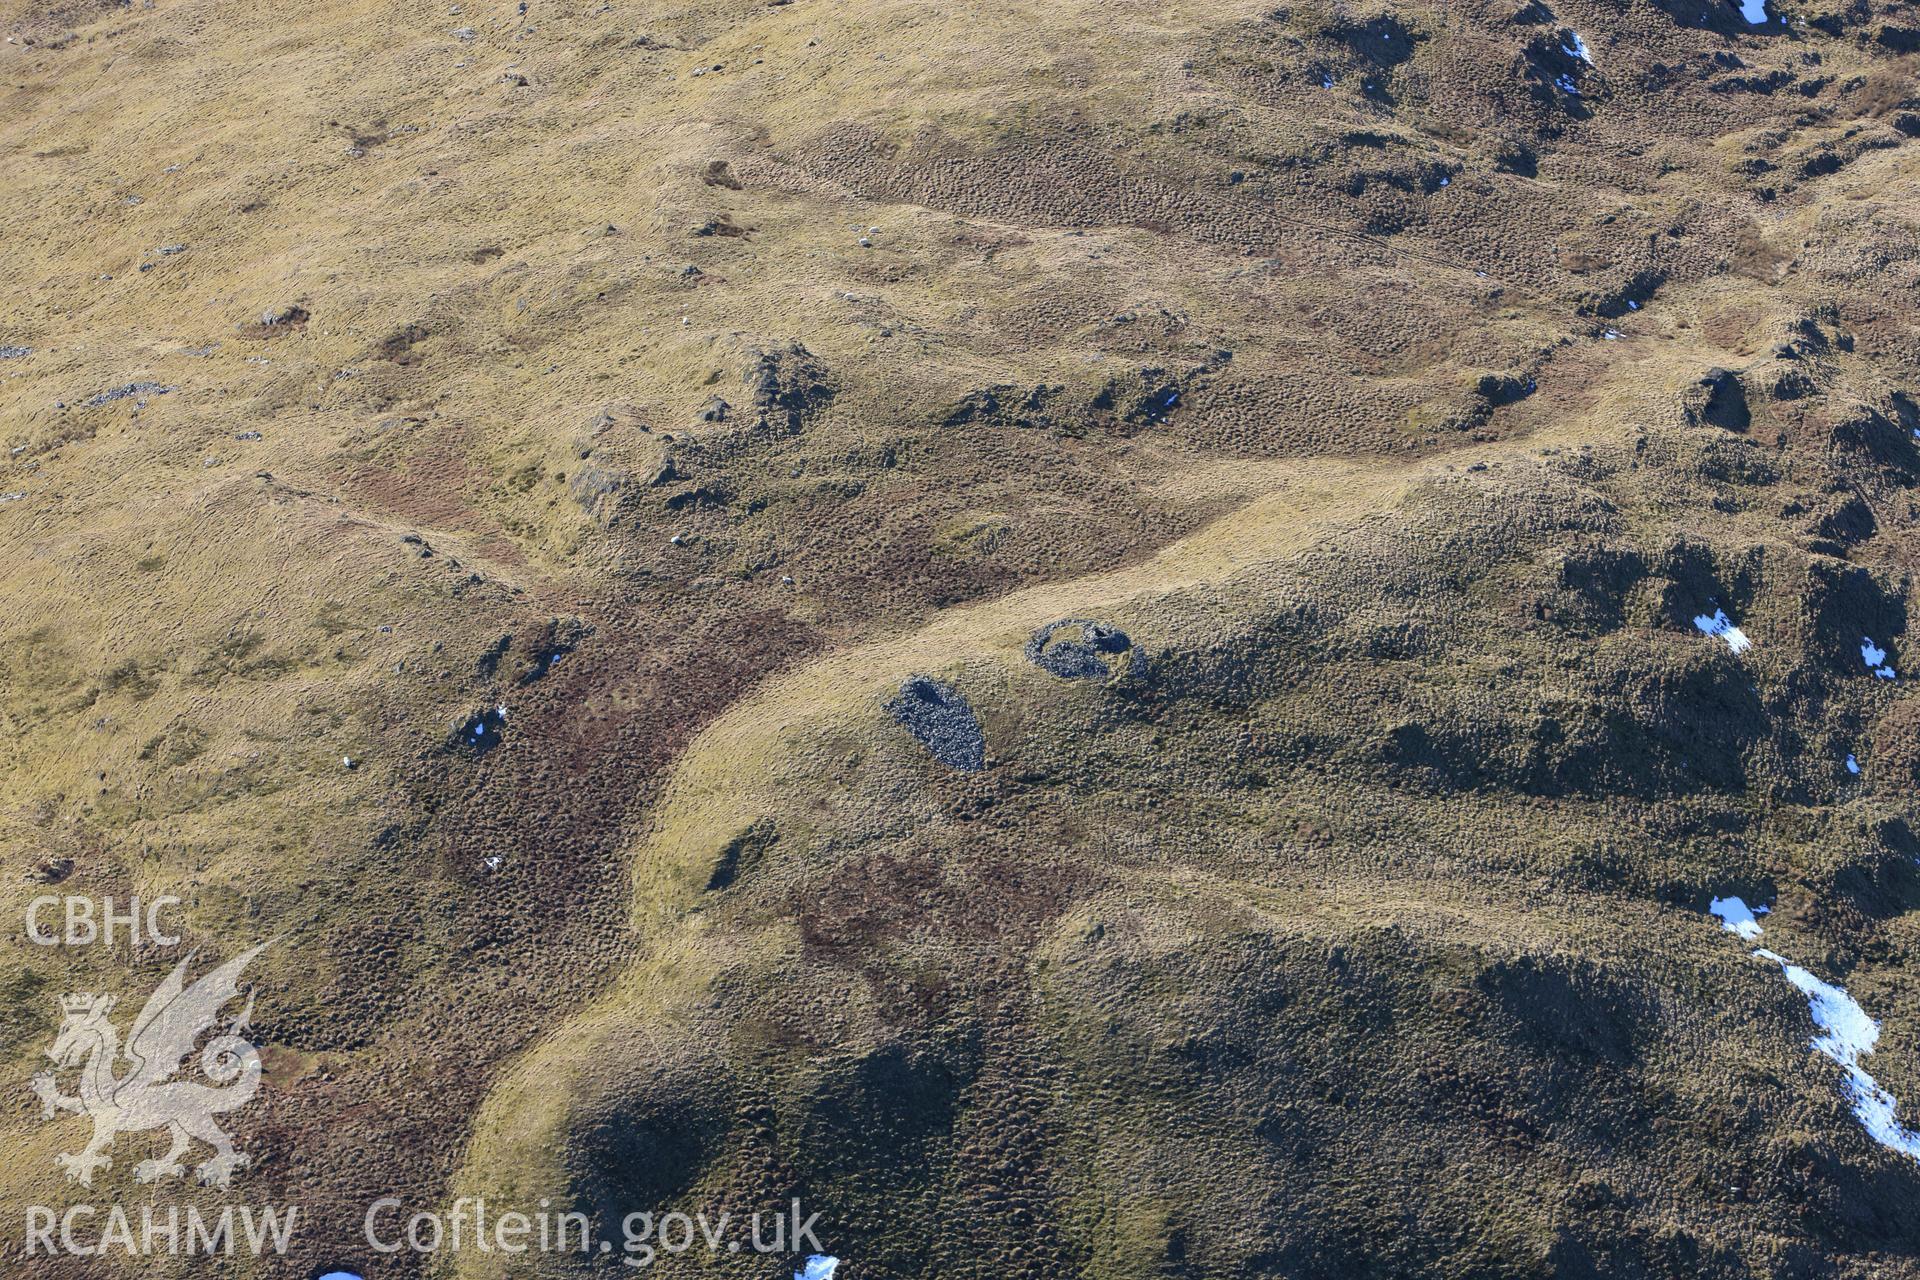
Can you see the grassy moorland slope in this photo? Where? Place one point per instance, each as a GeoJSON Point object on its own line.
{"type": "Point", "coordinates": [682, 379]}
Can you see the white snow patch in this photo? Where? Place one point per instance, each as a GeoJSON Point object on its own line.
{"type": "Point", "coordinates": [1577, 48]}
{"type": "Point", "coordinates": [1853, 766]}
{"type": "Point", "coordinates": [1876, 659]}
{"type": "Point", "coordinates": [1737, 917]}
{"type": "Point", "coordinates": [1850, 1036]}
{"type": "Point", "coordinates": [1849, 1033]}
{"type": "Point", "coordinates": [1754, 11]}
{"type": "Point", "coordinates": [818, 1267]}
{"type": "Point", "coordinates": [1720, 625]}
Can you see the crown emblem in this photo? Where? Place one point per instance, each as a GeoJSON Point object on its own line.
{"type": "Point", "coordinates": [77, 1002]}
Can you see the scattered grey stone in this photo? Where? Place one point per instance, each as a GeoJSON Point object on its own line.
{"type": "Point", "coordinates": [464, 33]}
{"type": "Point", "coordinates": [1726, 401]}
{"type": "Point", "coordinates": [1085, 658]}
{"type": "Point", "coordinates": [1791, 384]}
{"type": "Point", "coordinates": [489, 662]}
{"type": "Point", "coordinates": [246, 435]}
{"type": "Point", "coordinates": [12, 497]}
{"type": "Point", "coordinates": [480, 732]}
{"type": "Point", "coordinates": [14, 353]}
{"type": "Point", "coordinates": [170, 249]}
{"type": "Point", "coordinates": [787, 386]}
{"type": "Point", "coordinates": [597, 486]}
{"type": "Point", "coordinates": [936, 715]}
{"type": "Point", "coordinates": [131, 389]}
{"type": "Point", "coordinates": [560, 637]}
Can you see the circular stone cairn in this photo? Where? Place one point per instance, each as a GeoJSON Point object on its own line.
{"type": "Point", "coordinates": [1084, 658]}
{"type": "Point", "coordinates": [940, 718]}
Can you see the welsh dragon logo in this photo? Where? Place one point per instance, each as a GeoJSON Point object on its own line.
{"type": "Point", "coordinates": [147, 1095]}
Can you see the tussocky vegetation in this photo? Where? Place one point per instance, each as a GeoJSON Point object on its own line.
{"type": "Point", "coordinates": [1108, 639]}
